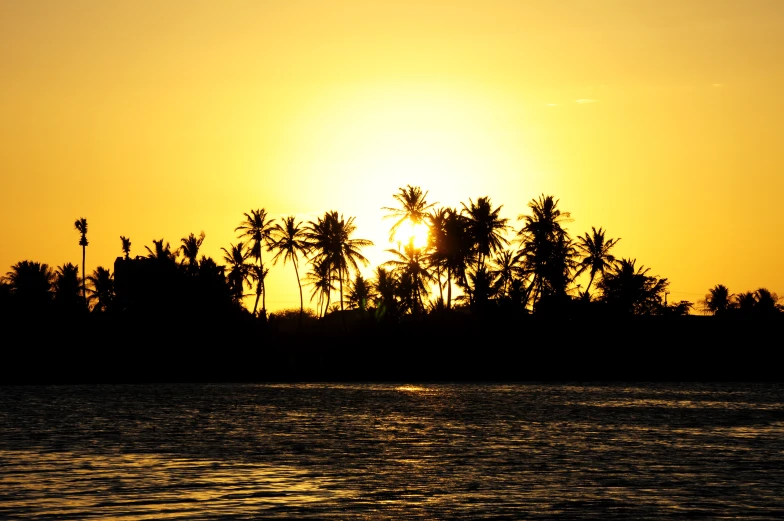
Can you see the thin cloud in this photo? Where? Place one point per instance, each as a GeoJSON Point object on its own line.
{"type": "Point", "coordinates": [583, 101]}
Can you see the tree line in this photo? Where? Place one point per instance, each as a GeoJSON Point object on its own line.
{"type": "Point", "coordinates": [469, 263]}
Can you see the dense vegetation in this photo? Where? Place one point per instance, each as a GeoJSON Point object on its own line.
{"type": "Point", "coordinates": [468, 284]}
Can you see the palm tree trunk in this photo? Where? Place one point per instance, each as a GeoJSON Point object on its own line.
{"type": "Point", "coordinates": [342, 314]}
{"type": "Point", "coordinates": [589, 283]}
{"type": "Point", "coordinates": [263, 289]}
{"type": "Point", "coordinates": [440, 286]}
{"type": "Point", "coordinates": [258, 294]}
{"type": "Point", "coordinates": [84, 287]}
{"type": "Point", "coordinates": [449, 288]}
{"type": "Point", "coordinates": [301, 303]}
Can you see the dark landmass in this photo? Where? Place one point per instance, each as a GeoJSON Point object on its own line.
{"type": "Point", "coordinates": [449, 347]}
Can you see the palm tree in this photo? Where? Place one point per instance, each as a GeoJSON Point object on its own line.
{"type": "Point", "coordinates": [81, 227]}
{"type": "Point", "coordinates": [546, 247]}
{"type": "Point", "coordinates": [595, 251]}
{"type": "Point", "coordinates": [102, 281]}
{"type": "Point", "coordinates": [436, 245]}
{"type": "Point", "coordinates": [718, 301]}
{"type": "Point", "coordinates": [505, 268]}
{"type": "Point", "coordinates": [66, 286]}
{"type": "Point", "coordinates": [30, 284]}
{"type": "Point", "coordinates": [458, 250]}
{"type": "Point", "coordinates": [412, 273]}
{"type": "Point", "coordinates": [486, 228]}
{"type": "Point", "coordinates": [329, 240]}
{"type": "Point", "coordinates": [386, 289]}
{"type": "Point", "coordinates": [289, 242]}
{"type": "Point", "coordinates": [413, 206]}
{"type": "Point", "coordinates": [126, 246]}
{"type": "Point", "coordinates": [161, 252]}
{"type": "Point", "coordinates": [360, 292]}
{"type": "Point", "coordinates": [239, 275]}
{"type": "Point", "coordinates": [190, 251]}
{"type": "Point", "coordinates": [630, 290]}
{"type": "Point", "coordinates": [767, 303]}
{"type": "Point", "coordinates": [258, 275]}
{"type": "Point", "coordinates": [258, 230]}
{"type": "Point", "coordinates": [321, 278]}
{"type": "Point", "coordinates": [745, 303]}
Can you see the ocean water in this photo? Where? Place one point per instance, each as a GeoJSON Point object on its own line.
{"type": "Point", "coordinates": [389, 451]}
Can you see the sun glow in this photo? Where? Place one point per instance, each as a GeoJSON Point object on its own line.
{"type": "Point", "coordinates": [409, 231]}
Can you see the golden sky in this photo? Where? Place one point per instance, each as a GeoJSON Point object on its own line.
{"type": "Point", "coordinates": [661, 121]}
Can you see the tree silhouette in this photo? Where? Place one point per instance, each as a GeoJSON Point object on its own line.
{"type": "Point", "coordinates": [30, 284]}
{"type": "Point", "coordinates": [102, 292]}
{"type": "Point", "coordinates": [767, 303]}
{"type": "Point", "coordinates": [126, 247]}
{"type": "Point", "coordinates": [630, 290]}
{"type": "Point", "coordinates": [161, 252]}
{"type": "Point", "coordinates": [321, 278]}
{"type": "Point", "coordinates": [546, 248]}
{"type": "Point", "coordinates": [257, 228]}
{"type": "Point", "coordinates": [436, 245]}
{"type": "Point", "coordinates": [486, 228]}
{"type": "Point", "coordinates": [289, 242]}
{"type": "Point", "coordinates": [718, 301]}
{"type": "Point", "coordinates": [239, 274]}
{"type": "Point", "coordinates": [360, 292]}
{"type": "Point", "coordinates": [66, 287]}
{"type": "Point", "coordinates": [746, 303]}
{"type": "Point", "coordinates": [761, 303]}
{"type": "Point", "coordinates": [413, 276]}
{"type": "Point", "coordinates": [595, 252]}
{"type": "Point", "coordinates": [413, 206]}
{"type": "Point", "coordinates": [458, 250]}
{"type": "Point", "coordinates": [81, 227]}
{"type": "Point", "coordinates": [505, 269]}
{"type": "Point", "coordinates": [386, 289]}
{"type": "Point", "coordinates": [329, 240]}
{"type": "Point", "coordinates": [190, 251]}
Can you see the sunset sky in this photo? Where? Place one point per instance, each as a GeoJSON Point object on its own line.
{"type": "Point", "coordinates": [661, 121]}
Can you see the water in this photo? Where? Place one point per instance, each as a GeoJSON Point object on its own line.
{"type": "Point", "coordinates": [371, 451]}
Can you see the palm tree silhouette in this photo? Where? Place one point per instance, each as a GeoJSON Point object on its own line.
{"type": "Point", "coordinates": [321, 278]}
{"type": "Point", "coordinates": [30, 284]}
{"type": "Point", "coordinates": [745, 303]}
{"type": "Point", "coordinates": [411, 271]}
{"type": "Point", "coordinates": [329, 240]}
{"type": "Point", "coordinates": [258, 230]}
{"type": "Point", "coordinates": [190, 251]}
{"type": "Point", "coordinates": [546, 247]}
{"type": "Point", "coordinates": [161, 252]}
{"type": "Point", "coordinates": [360, 292]}
{"type": "Point", "coordinates": [630, 290]}
{"type": "Point", "coordinates": [767, 303]}
{"type": "Point", "coordinates": [436, 245]}
{"type": "Point", "coordinates": [596, 257]}
{"type": "Point", "coordinates": [102, 281]}
{"type": "Point", "coordinates": [81, 227]}
{"type": "Point", "coordinates": [486, 229]}
{"type": "Point", "coordinates": [289, 242]}
{"type": "Point", "coordinates": [505, 268]}
{"type": "Point", "coordinates": [458, 250]}
{"type": "Point", "coordinates": [126, 246]}
{"type": "Point", "coordinates": [66, 286]}
{"type": "Point", "coordinates": [718, 301]}
{"type": "Point", "coordinates": [386, 288]}
{"type": "Point", "coordinates": [239, 274]}
{"type": "Point", "coordinates": [413, 206]}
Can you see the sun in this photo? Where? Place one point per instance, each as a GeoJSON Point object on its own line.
{"type": "Point", "coordinates": [418, 233]}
